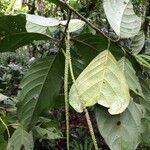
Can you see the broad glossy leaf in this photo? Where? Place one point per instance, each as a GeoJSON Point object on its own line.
{"type": "Point", "coordinates": [16, 40]}
{"type": "Point", "coordinates": [39, 87]}
{"type": "Point", "coordinates": [121, 132]}
{"type": "Point", "coordinates": [137, 42]}
{"type": "Point", "coordinates": [13, 33]}
{"type": "Point", "coordinates": [122, 17]}
{"type": "Point", "coordinates": [101, 82]}
{"type": "Point", "coordinates": [130, 75]}
{"type": "Point", "coordinates": [12, 24]}
{"type": "Point", "coordinates": [21, 138]}
{"type": "Point", "coordinates": [89, 46]}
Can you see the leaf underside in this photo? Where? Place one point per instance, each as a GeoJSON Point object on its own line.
{"type": "Point", "coordinates": [122, 17]}
{"type": "Point", "coordinates": [121, 132]}
{"type": "Point", "coordinates": [101, 82]}
{"type": "Point", "coordinates": [21, 139]}
{"type": "Point", "coordinates": [130, 75]}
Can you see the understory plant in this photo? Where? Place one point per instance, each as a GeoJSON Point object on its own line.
{"type": "Point", "coordinates": [79, 58]}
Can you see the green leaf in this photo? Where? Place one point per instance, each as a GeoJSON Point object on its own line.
{"type": "Point", "coordinates": [122, 17]}
{"type": "Point", "coordinates": [130, 75]}
{"type": "Point", "coordinates": [101, 82]}
{"type": "Point", "coordinates": [14, 35]}
{"type": "Point", "coordinates": [3, 143]}
{"type": "Point", "coordinates": [39, 87]}
{"type": "Point", "coordinates": [3, 97]}
{"type": "Point", "coordinates": [121, 132]}
{"type": "Point", "coordinates": [47, 133]}
{"type": "Point", "coordinates": [12, 42]}
{"type": "Point", "coordinates": [137, 42]}
{"type": "Point", "coordinates": [89, 46]}
{"type": "Point", "coordinates": [12, 24]}
{"type": "Point", "coordinates": [19, 139]}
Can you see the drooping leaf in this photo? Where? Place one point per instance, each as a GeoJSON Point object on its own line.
{"type": "Point", "coordinates": [122, 17]}
{"type": "Point", "coordinates": [39, 87]}
{"type": "Point", "coordinates": [101, 82]}
{"type": "Point", "coordinates": [137, 42]}
{"type": "Point", "coordinates": [21, 139]}
{"type": "Point", "coordinates": [130, 75]}
{"type": "Point", "coordinates": [121, 132]}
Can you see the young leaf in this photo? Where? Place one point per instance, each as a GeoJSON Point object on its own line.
{"type": "Point", "coordinates": [101, 82]}
{"type": "Point", "coordinates": [122, 18]}
{"type": "Point", "coordinates": [21, 139]}
{"type": "Point", "coordinates": [137, 42]}
{"type": "Point", "coordinates": [121, 132]}
{"type": "Point", "coordinates": [130, 75]}
{"type": "Point", "coordinates": [39, 87]}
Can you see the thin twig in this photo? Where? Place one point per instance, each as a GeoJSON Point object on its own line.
{"type": "Point", "coordinates": [65, 31]}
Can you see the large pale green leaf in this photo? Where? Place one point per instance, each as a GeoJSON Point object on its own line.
{"type": "Point", "coordinates": [21, 139]}
{"type": "Point", "coordinates": [101, 82]}
{"type": "Point", "coordinates": [39, 24]}
{"type": "Point", "coordinates": [137, 42]}
{"type": "Point", "coordinates": [121, 132]}
{"type": "Point", "coordinates": [39, 87]}
{"type": "Point", "coordinates": [122, 18]}
{"type": "Point", "coordinates": [130, 75]}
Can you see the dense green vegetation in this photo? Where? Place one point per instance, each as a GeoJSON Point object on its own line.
{"type": "Point", "coordinates": [74, 74]}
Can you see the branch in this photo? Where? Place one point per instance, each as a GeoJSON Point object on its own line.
{"type": "Point", "coordinates": [84, 19]}
{"type": "Point", "coordinates": [66, 28]}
